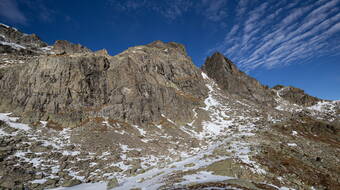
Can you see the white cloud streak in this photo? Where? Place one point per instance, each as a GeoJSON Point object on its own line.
{"type": "Point", "coordinates": [10, 11]}
{"type": "Point", "coordinates": [214, 10]}
{"type": "Point", "coordinates": [272, 34]}
{"type": "Point", "coordinates": [211, 10]}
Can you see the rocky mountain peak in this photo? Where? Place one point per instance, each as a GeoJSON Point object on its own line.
{"type": "Point", "coordinates": [16, 39]}
{"type": "Point", "coordinates": [235, 82]}
{"type": "Point", "coordinates": [64, 46]}
{"type": "Point", "coordinates": [166, 45]}
{"type": "Point", "coordinates": [102, 52]}
{"type": "Point", "coordinates": [295, 95]}
{"type": "Point", "coordinates": [219, 62]}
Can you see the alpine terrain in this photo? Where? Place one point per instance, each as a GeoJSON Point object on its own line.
{"type": "Point", "coordinates": [148, 118]}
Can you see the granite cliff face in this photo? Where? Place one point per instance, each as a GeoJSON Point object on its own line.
{"type": "Point", "coordinates": [136, 86]}
{"type": "Point", "coordinates": [234, 81]}
{"type": "Point", "coordinates": [148, 118]}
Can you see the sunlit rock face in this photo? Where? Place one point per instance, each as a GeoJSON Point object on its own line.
{"type": "Point", "coordinates": [234, 81]}
{"type": "Point", "coordinates": [137, 85]}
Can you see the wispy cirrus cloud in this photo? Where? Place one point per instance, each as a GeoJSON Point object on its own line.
{"type": "Point", "coordinates": [9, 10]}
{"type": "Point", "coordinates": [40, 10]}
{"type": "Point", "coordinates": [29, 11]}
{"type": "Point", "coordinates": [172, 9]}
{"type": "Point", "coordinates": [212, 10]}
{"type": "Point", "coordinates": [272, 34]}
{"type": "Point", "coordinates": [169, 9]}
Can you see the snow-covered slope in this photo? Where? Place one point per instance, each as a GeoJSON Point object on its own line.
{"type": "Point", "coordinates": [230, 135]}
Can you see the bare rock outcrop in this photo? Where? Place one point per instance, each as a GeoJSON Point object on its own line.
{"type": "Point", "coordinates": [137, 86]}
{"type": "Point", "coordinates": [9, 35]}
{"type": "Point", "coordinates": [235, 82]}
{"type": "Point", "coordinates": [63, 46]}
{"type": "Point", "coordinates": [296, 95]}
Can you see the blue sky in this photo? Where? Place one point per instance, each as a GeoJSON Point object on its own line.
{"type": "Point", "coordinates": [290, 42]}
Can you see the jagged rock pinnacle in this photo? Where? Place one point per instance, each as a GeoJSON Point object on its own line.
{"type": "Point", "coordinates": [234, 81]}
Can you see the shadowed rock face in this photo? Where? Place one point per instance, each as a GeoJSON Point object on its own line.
{"type": "Point", "coordinates": [235, 82]}
{"type": "Point", "coordinates": [137, 86]}
{"type": "Point", "coordinates": [296, 95]}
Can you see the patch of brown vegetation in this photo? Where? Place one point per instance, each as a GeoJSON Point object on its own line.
{"type": "Point", "coordinates": [281, 163]}
{"type": "Point", "coordinates": [54, 125]}
{"type": "Point", "coordinates": [95, 124]}
{"type": "Point", "coordinates": [165, 123]}
{"type": "Point", "coordinates": [35, 124]}
{"type": "Point", "coordinates": [187, 96]}
{"type": "Point", "coordinates": [114, 122]}
{"type": "Point", "coordinates": [98, 119]}
{"type": "Point", "coordinates": [84, 122]}
{"type": "Point", "coordinates": [312, 129]}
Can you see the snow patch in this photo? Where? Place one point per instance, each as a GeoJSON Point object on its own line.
{"type": "Point", "coordinates": [292, 144]}
{"type": "Point", "coordinates": [203, 177]}
{"type": "Point", "coordinates": [39, 181]}
{"type": "Point", "coordinates": [205, 76]}
{"type": "Point", "coordinates": [13, 45]}
{"type": "Point", "coordinates": [46, 49]}
{"type": "Point", "coordinates": [4, 25]}
{"type": "Point", "coordinates": [141, 131]}
{"type": "Point", "coordinates": [324, 106]}
{"type": "Point", "coordinates": [11, 121]}
{"type": "Point", "coordinates": [85, 186]}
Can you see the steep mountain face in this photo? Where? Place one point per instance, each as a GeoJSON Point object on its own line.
{"type": "Point", "coordinates": [11, 39]}
{"type": "Point", "coordinates": [137, 86]}
{"type": "Point", "coordinates": [234, 81]}
{"type": "Point", "coordinates": [147, 118]}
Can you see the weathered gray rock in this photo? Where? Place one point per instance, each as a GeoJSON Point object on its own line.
{"type": "Point", "coordinates": [63, 46]}
{"type": "Point", "coordinates": [136, 86]}
{"type": "Point", "coordinates": [102, 52]}
{"type": "Point", "coordinates": [71, 182]}
{"type": "Point", "coordinates": [296, 95]}
{"type": "Point", "coordinates": [112, 183]}
{"type": "Point", "coordinates": [235, 82]}
{"type": "Point", "coordinates": [12, 35]}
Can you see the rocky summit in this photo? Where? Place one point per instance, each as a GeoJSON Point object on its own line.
{"type": "Point", "coordinates": [235, 82]}
{"type": "Point", "coordinates": [148, 118]}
